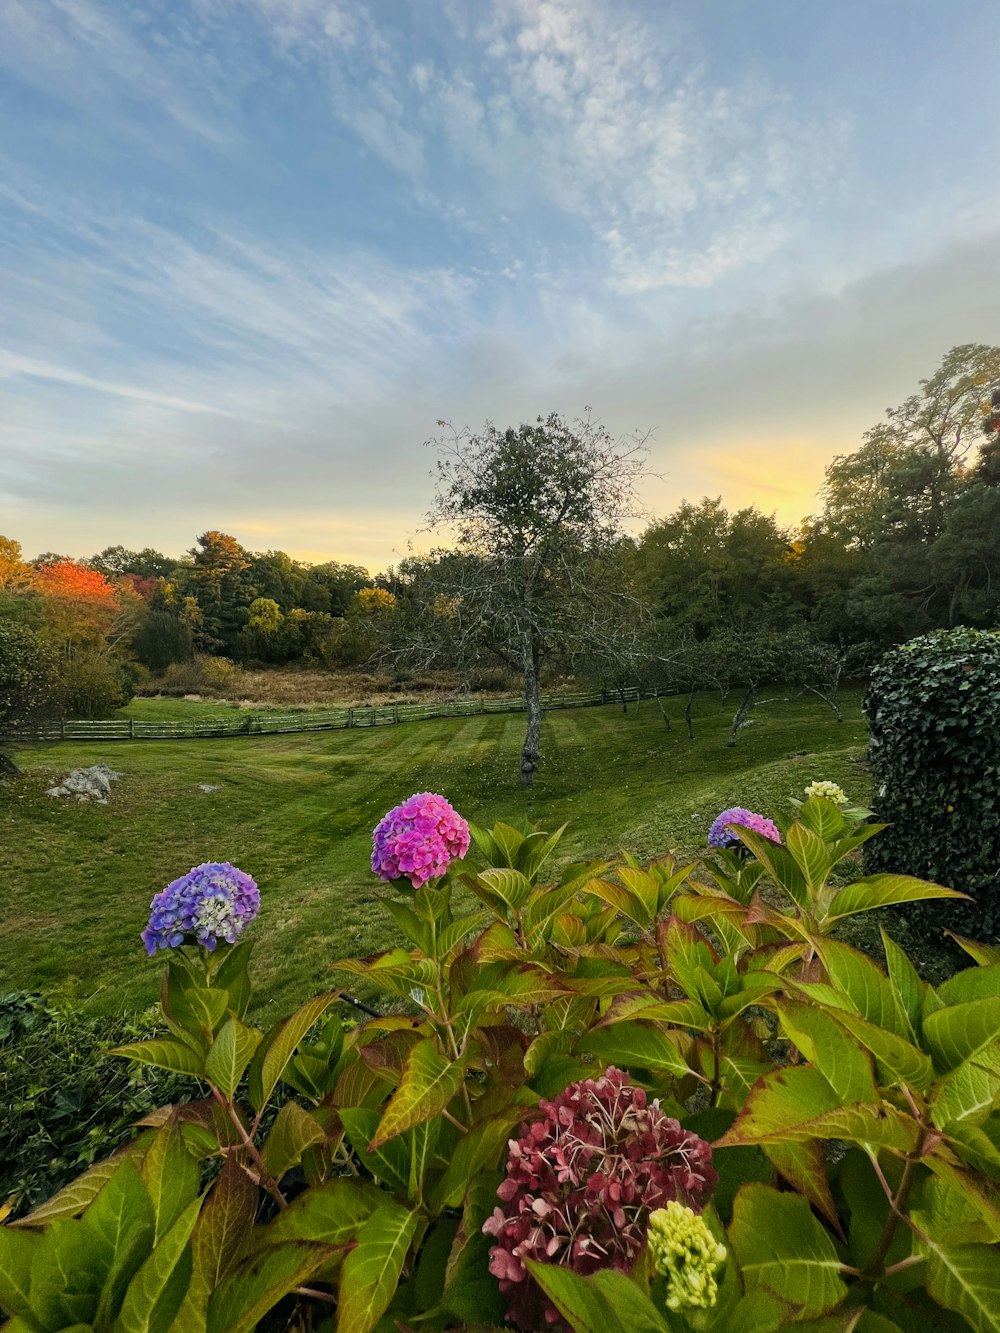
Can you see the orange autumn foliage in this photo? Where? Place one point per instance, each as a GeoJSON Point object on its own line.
{"type": "Point", "coordinates": [79, 602]}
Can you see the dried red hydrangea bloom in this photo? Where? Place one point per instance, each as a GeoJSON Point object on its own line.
{"type": "Point", "coordinates": [581, 1183]}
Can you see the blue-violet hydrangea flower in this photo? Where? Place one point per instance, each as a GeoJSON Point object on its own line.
{"type": "Point", "coordinates": [211, 904]}
{"type": "Point", "coordinates": [720, 836]}
{"type": "Point", "coordinates": [419, 839]}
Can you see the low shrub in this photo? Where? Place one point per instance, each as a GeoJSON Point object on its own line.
{"type": "Point", "coordinates": [63, 1103]}
{"type": "Point", "coordinates": [659, 1097]}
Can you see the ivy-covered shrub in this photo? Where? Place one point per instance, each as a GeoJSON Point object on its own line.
{"type": "Point", "coordinates": [63, 1103]}
{"type": "Point", "coordinates": [605, 1099]}
{"type": "Point", "coordinates": [933, 707]}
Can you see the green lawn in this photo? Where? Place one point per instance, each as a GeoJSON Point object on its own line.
{"type": "Point", "coordinates": [297, 812]}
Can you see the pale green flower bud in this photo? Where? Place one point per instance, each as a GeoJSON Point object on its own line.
{"type": "Point", "coordinates": [686, 1253]}
{"type": "Point", "coordinates": [828, 789]}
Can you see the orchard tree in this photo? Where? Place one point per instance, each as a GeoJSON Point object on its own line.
{"type": "Point", "coordinates": [535, 510]}
{"type": "Point", "coordinates": [27, 671]}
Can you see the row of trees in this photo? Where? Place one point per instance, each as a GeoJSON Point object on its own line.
{"type": "Point", "coordinates": [537, 571]}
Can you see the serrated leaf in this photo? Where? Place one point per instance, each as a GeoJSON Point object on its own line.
{"type": "Point", "coordinates": [66, 1276]}
{"type": "Point", "coordinates": [634, 1044]}
{"type": "Point", "coordinates": [17, 1249]}
{"type": "Point", "coordinates": [170, 1175]}
{"type": "Point", "coordinates": [828, 1048]}
{"type": "Point", "coordinates": [257, 1286]}
{"type": "Point", "coordinates": [984, 954]}
{"type": "Point", "coordinates": [863, 984]}
{"type": "Point", "coordinates": [294, 1130]}
{"type": "Point", "coordinates": [428, 1083]}
{"type": "Point", "coordinates": [969, 1093]}
{"type": "Point", "coordinates": [73, 1198]}
{"type": "Point", "coordinates": [229, 1055]}
{"type": "Point", "coordinates": [122, 1223]}
{"type": "Point", "coordinates": [782, 1100]}
{"type": "Point", "coordinates": [390, 1162]}
{"type": "Point", "coordinates": [578, 1301]}
{"type": "Point", "coordinates": [899, 1060]}
{"type": "Point", "coordinates": [973, 983]}
{"type": "Point", "coordinates": [956, 1033]}
{"type": "Point", "coordinates": [781, 1247]}
{"type": "Point", "coordinates": [908, 986]}
{"type": "Point", "coordinates": [155, 1293]}
{"type": "Point", "coordinates": [811, 854]}
{"type": "Point", "coordinates": [963, 1278]}
{"type": "Point", "coordinates": [883, 891]}
{"type": "Point", "coordinates": [222, 1230]}
{"type": "Point", "coordinates": [510, 886]}
{"type": "Point", "coordinates": [278, 1047]}
{"type": "Point", "coordinates": [371, 1271]}
{"type": "Point", "coordinates": [163, 1053]}
{"type": "Point", "coordinates": [780, 864]}
{"type": "Point", "coordinates": [332, 1213]}
{"type": "Point", "coordinates": [803, 1164]}
{"type": "Point", "coordinates": [822, 817]}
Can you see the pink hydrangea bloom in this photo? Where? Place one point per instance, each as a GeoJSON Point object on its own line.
{"type": "Point", "coordinates": [419, 839]}
{"type": "Point", "coordinates": [720, 836]}
{"type": "Point", "coordinates": [581, 1183]}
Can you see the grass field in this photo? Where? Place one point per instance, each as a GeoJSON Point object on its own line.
{"type": "Point", "coordinates": [297, 812]}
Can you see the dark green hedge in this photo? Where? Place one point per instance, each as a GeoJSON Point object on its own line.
{"type": "Point", "coordinates": [933, 707]}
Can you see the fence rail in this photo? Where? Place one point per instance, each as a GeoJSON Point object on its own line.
{"type": "Point", "coordinates": [329, 719]}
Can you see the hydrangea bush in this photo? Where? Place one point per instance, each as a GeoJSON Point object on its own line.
{"type": "Point", "coordinates": [596, 1101]}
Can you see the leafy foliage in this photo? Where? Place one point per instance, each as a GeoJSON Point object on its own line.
{"type": "Point", "coordinates": [934, 710]}
{"type": "Point", "coordinates": [362, 1202]}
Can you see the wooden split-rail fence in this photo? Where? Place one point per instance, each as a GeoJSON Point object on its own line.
{"type": "Point", "coordinates": [327, 719]}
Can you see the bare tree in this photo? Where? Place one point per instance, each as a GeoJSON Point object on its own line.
{"type": "Point", "coordinates": [537, 513]}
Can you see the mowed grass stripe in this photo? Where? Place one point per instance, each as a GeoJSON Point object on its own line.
{"type": "Point", "coordinates": [297, 812]}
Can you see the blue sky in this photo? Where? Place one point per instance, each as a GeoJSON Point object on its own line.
{"type": "Point", "coordinates": [252, 250]}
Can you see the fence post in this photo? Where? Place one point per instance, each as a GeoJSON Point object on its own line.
{"type": "Point", "coordinates": [350, 717]}
{"type": "Point", "coordinates": [249, 723]}
{"type": "Point", "coordinates": [131, 728]}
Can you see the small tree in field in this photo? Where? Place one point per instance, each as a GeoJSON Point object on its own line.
{"type": "Point", "coordinates": [537, 509]}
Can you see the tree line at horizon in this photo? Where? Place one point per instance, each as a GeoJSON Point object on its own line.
{"type": "Point", "coordinates": [907, 540]}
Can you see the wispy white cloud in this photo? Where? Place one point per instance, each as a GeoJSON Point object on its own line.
{"type": "Point", "coordinates": [609, 122]}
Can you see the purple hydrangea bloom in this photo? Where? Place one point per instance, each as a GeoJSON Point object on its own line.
{"type": "Point", "coordinates": [419, 839]}
{"type": "Point", "coordinates": [213, 902]}
{"type": "Point", "coordinates": [720, 836]}
{"type": "Point", "coordinates": [581, 1183]}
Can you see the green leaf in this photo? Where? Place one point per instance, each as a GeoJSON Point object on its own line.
{"type": "Point", "coordinates": [822, 817]}
{"type": "Point", "coordinates": [779, 863]}
{"type": "Point", "coordinates": [803, 1165]}
{"type": "Point", "coordinates": [371, 1270]}
{"type": "Point", "coordinates": [278, 1047]}
{"type": "Point", "coordinates": [73, 1198]}
{"type": "Point", "coordinates": [163, 1053]}
{"type": "Point", "coordinates": [825, 1044]}
{"type": "Point", "coordinates": [969, 1093]}
{"type": "Point", "coordinates": [811, 854]}
{"type": "Point", "coordinates": [475, 1152]}
{"type": "Point", "coordinates": [956, 1033]}
{"type": "Point", "coordinates": [294, 1130]}
{"type": "Point", "coordinates": [66, 1276]}
{"type": "Point", "coordinates": [984, 954]}
{"type": "Point", "coordinates": [863, 984]}
{"type": "Point", "coordinates": [577, 1300]}
{"type": "Point", "coordinates": [428, 1084]}
{"type": "Point", "coordinates": [332, 1213]}
{"type": "Point", "coordinates": [510, 886]}
{"type": "Point", "coordinates": [390, 1162]}
{"type": "Point", "coordinates": [471, 1292]}
{"type": "Point", "coordinates": [122, 1223]}
{"type": "Point", "coordinates": [974, 983]}
{"type": "Point", "coordinates": [17, 1249]}
{"type": "Point", "coordinates": [155, 1293]}
{"type": "Point", "coordinates": [963, 1278]}
{"type": "Point", "coordinates": [634, 1045]}
{"type": "Point", "coordinates": [907, 986]}
{"type": "Point", "coordinates": [230, 1054]}
{"type": "Point", "coordinates": [896, 1056]}
{"type": "Point", "coordinates": [256, 1287]}
{"type": "Point", "coordinates": [171, 1176]}
{"type": "Point", "coordinates": [883, 891]}
{"type": "Point", "coordinates": [781, 1247]}
{"type": "Point", "coordinates": [780, 1102]}
{"type": "Point", "coordinates": [222, 1230]}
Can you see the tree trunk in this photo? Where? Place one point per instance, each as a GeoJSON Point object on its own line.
{"type": "Point", "coordinates": [621, 698]}
{"type": "Point", "coordinates": [663, 712]}
{"type": "Point", "coordinates": [740, 716]}
{"type": "Point", "coordinates": [532, 749]}
{"type": "Point", "coordinates": [687, 713]}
